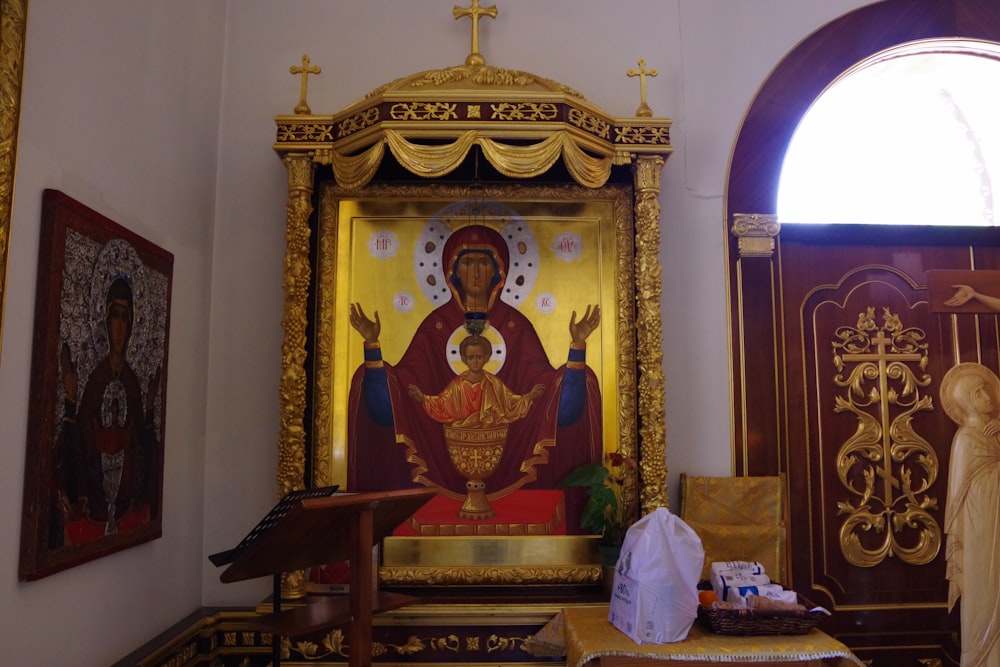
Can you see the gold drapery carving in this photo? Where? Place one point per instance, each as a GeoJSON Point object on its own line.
{"type": "Point", "coordinates": [435, 161]}
{"type": "Point", "coordinates": [882, 369]}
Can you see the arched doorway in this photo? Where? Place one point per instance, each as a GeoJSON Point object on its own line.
{"type": "Point", "coordinates": [794, 296]}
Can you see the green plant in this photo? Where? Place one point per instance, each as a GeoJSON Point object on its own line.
{"type": "Point", "coordinates": [606, 512]}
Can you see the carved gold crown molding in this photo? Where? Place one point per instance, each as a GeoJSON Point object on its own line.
{"type": "Point", "coordinates": [430, 120]}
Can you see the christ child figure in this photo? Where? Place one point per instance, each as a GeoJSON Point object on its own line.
{"type": "Point", "coordinates": [476, 398]}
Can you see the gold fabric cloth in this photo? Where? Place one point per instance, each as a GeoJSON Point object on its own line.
{"type": "Point", "coordinates": [737, 518]}
{"type": "Point", "coordinates": [589, 636]}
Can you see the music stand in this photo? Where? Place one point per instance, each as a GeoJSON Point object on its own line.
{"type": "Point", "coordinates": [318, 530]}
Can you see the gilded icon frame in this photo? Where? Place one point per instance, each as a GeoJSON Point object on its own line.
{"type": "Point", "coordinates": [605, 218]}
{"type": "Point", "coordinates": [13, 14]}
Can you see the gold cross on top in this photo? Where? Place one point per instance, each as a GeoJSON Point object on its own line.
{"type": "Point", "coordinates": [305, 70]}
{"type": "Point", "coordinates": [475, 11]}
{"type": "Point", "coordinates": [643, 111]}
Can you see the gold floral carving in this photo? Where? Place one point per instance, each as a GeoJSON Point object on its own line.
{"type": "Point", "coordinates": [649, 353]}
{"type": "Point", "coordinates": [424, 111]}
{"type": "Point", "coordinates": [323, 346]}
{"type": "Point", "coordinates": [636, 134]}
{"type": "Point", "coordinates": [885, 465]}
{"type": "Point", "coordinates": [481, 76]}
{"type": "Point", "coordinates": [334, 644]}
{"type": "Point", "coordinates": [292, 385]}
{"type": "Point", "coordinates": [524, 111]}
{"type": "Point", "coordinates": [358, 122]}
{"type": "Point", "coordinates": [491, 575]}
{"type": "Point", "coordinates": [628, 411]}
{"type": "Point", "coordinates": [589, 122]}
{"type": "Point", "coordinates": [297, 274]}
{"type": "Point", "coordinates": [297, 130]}
{"type": "Point", "coordinates": [12, 28]}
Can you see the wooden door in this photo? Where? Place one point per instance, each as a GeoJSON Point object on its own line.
{"type": "Point", "coordinates": [840, 359]}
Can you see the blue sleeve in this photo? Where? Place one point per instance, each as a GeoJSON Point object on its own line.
{"type": "Point", "coordinates": [574, 388]}
{"type": "Point", "coordinates": [375, 388]}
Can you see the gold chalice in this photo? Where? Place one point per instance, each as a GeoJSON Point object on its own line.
{"type": "Point", "coordinates": [475, 453]}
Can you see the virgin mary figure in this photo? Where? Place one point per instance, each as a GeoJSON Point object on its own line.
{"type": "Point", "coordinates": [394, 444]}
{"type": "Point", "coordinates": [970, 396]}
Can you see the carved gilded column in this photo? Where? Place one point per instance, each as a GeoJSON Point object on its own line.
{"type": "Point", "coordinates": [13, 13]}
{"type": "Point", "coordinates": [292, 385]}
{"type": "Point", "coordinates": [649, 333]}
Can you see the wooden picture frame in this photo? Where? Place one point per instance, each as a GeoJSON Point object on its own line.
{"type": "Point", "coordinates": [94, 465]}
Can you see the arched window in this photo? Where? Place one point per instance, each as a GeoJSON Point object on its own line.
{"type": "Point", "coordinates": [907, 136]}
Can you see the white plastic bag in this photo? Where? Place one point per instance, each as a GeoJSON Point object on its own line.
{"type": "Point", "coordinates": [655, 595]}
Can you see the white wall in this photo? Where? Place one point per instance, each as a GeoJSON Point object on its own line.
{"type": "Point", "coordinates": [124, 104]}
{"type": "Point", "coordinates": [120, 111]}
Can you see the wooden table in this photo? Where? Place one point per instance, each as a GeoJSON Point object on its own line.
{"type": "Point", "coordinates": [591, 640]}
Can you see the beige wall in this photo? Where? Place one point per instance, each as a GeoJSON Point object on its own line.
{"type": "Point", "coordinates": [120, 111]}
{"type": "Point", "coordinates": [159, 114]}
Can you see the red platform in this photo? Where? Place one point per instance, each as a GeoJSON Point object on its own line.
{"type": "Point", "coordinates": [525, 512]}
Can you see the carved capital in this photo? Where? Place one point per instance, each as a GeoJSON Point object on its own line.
{"type": "Point", "coordinates": [756, 233]}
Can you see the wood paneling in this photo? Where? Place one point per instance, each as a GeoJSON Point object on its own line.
{"type": "Point", "coordinates": [792, 411]}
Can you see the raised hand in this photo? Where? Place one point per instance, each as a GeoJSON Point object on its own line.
{"type": "Point", "coordinates": [368, 329]}
{"type": "Point", "coordinates": [579, 331]}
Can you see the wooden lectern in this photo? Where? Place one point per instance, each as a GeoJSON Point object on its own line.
{"type": "Point", "coordinates": [319, 530]}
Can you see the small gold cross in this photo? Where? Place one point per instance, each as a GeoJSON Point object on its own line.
{"type": "Point", "coordinates": [643, 111]}
{"type": "Point", "coordinates": [475, 11]}
{"type": "Point", "coordinates": [305, 70]}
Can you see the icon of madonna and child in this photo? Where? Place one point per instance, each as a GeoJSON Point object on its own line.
{"type": "Point", "coordinates": [473, 407]}
{"type": "Point", "coordinates": [108, 449]}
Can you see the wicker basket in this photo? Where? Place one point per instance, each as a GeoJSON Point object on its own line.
{"type": "Point", "coordinates": [761, 622]}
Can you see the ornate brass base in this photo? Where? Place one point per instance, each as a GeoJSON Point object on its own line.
{"type": "Point", "coordinates": [476, 505]}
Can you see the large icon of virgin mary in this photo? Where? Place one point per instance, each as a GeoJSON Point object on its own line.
{"type": "Point", "coordinates": [393, 443]}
